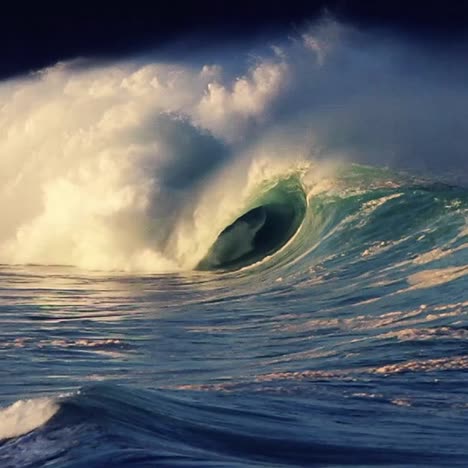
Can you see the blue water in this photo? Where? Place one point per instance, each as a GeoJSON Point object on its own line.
{"type": "Point", "coordinates": [347, 346]}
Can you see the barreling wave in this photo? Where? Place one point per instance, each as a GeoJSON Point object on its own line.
{"type": "Point", "coordinates": [364, 215]}
{"type": "Point", "coordinates": [143, 165]}
{"type": "Point", "coordinates": [306, 302]}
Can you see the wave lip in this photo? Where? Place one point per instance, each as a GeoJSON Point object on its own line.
{"type": "Point", "coordinates": [261, 231]}
{"type": "Point", "coordinates": [24, 416]}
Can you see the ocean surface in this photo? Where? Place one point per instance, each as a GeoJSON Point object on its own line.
{"type": "Point", "coordinates": [347, 346]}
{"type": "Point", "coordinates": [237, 257]}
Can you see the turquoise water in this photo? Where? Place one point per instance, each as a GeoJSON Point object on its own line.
{"type": "Point", "coordinates": [344, 342]}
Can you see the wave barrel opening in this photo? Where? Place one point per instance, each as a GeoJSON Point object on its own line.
{"type": "Point", "coordinates": [260, 231]}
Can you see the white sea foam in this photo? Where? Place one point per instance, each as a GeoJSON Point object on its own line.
{"type": "Point", "coordinates": [24, 416]}
{"type": "Point", "coordinates": [105, 162]}
{"type": "Point", "coordinates": [138, 165]}
{"type": "Point", "coordinates": [435, 277]}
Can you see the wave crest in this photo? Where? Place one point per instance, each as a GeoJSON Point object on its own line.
{"type": "Point", "coordinates": [24, 416]}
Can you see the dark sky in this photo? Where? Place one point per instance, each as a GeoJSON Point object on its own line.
{"type": "Point", "coordinates": [33, 36]}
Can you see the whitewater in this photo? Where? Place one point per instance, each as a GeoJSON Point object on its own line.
{"type": "Point", "coordinates": [254, 255]}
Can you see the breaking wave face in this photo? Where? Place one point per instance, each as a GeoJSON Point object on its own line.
{"type": "Point", "coordinates": [144, 165]}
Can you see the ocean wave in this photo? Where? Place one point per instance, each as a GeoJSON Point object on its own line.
{"type": "Point", "coordinates": [232, 264]}
{"type": "Point", "coordinates": [146, 427]}
{"type": "Point", "coordinates": [140, 165]}
{"type": "Point", "coordinates": [24, 416]}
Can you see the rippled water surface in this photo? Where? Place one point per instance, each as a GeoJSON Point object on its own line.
{"type": "Point", "coordinates": [346, 347]}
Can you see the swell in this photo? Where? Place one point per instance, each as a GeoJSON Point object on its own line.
{"type": "Point", "coordinates": [373, 215]}
{"type": "Point", "coordinates": [171, 428]}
